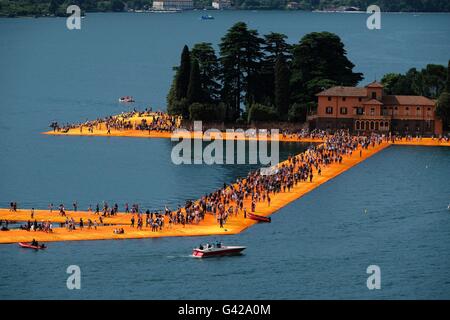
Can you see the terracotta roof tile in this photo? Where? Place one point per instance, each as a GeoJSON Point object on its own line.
{"type": "Point", "coordinates": [373, 101]}
{"type": "Point", "coordinates": [408, 100]}
{"type": "Point", "coordinates": [344, 92]}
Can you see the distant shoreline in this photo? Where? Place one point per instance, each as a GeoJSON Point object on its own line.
{"type": "Point", "coordinates": [213, 10]}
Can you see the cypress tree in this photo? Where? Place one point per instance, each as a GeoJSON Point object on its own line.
{"type": "Point", "coordinates": [182, 80]}
{"type": "Point", "coordinates": [194, 92]}
{"type": "Point", "coordinates": [282, 87]}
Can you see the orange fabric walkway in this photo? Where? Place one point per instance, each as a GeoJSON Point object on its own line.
{"type": "Point", "coordinates": [168, 135]}
{"type": "Point", "coordinates": [208, 226]}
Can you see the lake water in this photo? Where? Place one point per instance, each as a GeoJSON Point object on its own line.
{"type": "Point", "coordinates": [390, 211]}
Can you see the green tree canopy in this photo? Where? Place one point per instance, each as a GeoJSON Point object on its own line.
{"type": "Point", "coordinates": [209, 69]}
{"type": "Point", "coordinates": [317, 57]}
{"type": "Point", "coordinates": [282, 87]}
{"type": "Point", "coordinates": [240, 55]}
{"type": "Point", "coordinates": [206, 111]}
{"type": "Point", "coordinates": [443, 103]}
{"type": "Point", "coordinates": [275, 46]}
{"type": "Point", "coordinates": [195, 92]}
{"type": "Point", "coordinates": [260, 112]}
{"type": "Point", "coordinates": [429, 82]}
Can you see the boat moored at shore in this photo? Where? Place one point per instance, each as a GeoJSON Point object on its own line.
{"type": "Point", "coordinates": [259, 218]}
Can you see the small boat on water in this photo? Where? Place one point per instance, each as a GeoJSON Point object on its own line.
{"type": "Point", "coordinates": [207, 17]}
{"type": "Point", "coordinates": [30, 246]}
{"type": "Point", "coordinates": [258, 217]}
{"type": "Point", "coordinates": [126, 99]}
{"type": "Point", "coordinates": [217, 250]}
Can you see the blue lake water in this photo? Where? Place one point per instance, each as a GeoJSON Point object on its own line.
{"type": "Point", "coordinates": [390, 210]}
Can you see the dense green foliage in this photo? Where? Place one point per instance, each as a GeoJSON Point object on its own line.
{"type": "Point", "coordinates": [258, 78]}
{"type": "Point", "coordinates": [240, 56]}
{"type": "Point", "coordinates": [429, 82]}
{"type": "Point", "coordinates": [298, 111]}
{"type": "Point", "coordinates": [206, 111]}
{"type": "Point", "coordinates": [58, 7]}
{"type": "Point", "coordinates": [195, 91]}
{"type": "Point", "coordinates": [209, 70]}
{"type": "Point", "coordinates": [282, 91]}
{"type": "Point", "coordinates": [319, 62]}
{"type": "Point", "coordinates": [260, 112]}
{"type": "Point", "coordinates": [385, 5]}
{"type": "Point", "coordinates": [432, 82]}
{"type": "Point", "coordinates": [443, 103]}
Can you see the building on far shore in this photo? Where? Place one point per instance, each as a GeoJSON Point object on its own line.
{"type": "Point", "coordinates": [221, 4]}
{"type": "Point", "coordinates": [368, 109]}
{"type": "Point", "coordinates": [292, 5]}
{"type": "Point", "coordinates": [173, 5]}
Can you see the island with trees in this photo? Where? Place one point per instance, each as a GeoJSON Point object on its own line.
{"type": "Point", "coordinates": [257, 78]}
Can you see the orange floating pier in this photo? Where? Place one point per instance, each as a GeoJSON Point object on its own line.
{"type": "Point", "coordinates": [133, 133]}
{"type": "Point", "coordinates": [208, 226]}
{"type": "Point", "coordinates": [101, 129]}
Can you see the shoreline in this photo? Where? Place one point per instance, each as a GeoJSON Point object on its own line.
{"type": "Point", "coordinates": [34, 16]}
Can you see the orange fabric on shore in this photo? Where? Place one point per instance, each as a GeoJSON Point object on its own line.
{"type": "Point", "coordinates": [208, 226]}
{"type": "Point", "coordinates": [168, 135]}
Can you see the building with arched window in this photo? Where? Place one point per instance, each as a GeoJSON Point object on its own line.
{"type": "Point", "coordinates": [367, 109]}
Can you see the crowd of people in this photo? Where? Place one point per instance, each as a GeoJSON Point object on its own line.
{"type": "Point", "coordinates": [315, 134]}
{"type": "Point", "coordinates": [237, 199]}
{"type": "Point", "coordinates": [257, 188]}
{"type": "Point", "coordinates": [45, 226]}
{"type": "Point", "coordinates": [394, 138]}
{"type": "Point", "coordinates": [152, 121]}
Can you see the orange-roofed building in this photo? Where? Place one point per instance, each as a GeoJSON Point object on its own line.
{"type": "Point", "coordinates": [367, 109]}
